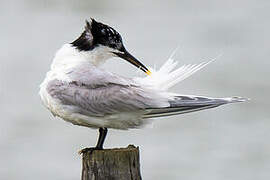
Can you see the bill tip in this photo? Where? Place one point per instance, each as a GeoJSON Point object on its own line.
{"type": "Point", "coordinates": [148, 72]}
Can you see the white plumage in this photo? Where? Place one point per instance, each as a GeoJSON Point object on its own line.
{"type": "Point", "coordinates": [168, 75]}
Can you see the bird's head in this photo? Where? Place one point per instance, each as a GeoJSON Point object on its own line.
{"type": "Point", "coordinates": [105, 42]}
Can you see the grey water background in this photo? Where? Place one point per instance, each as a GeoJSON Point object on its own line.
{"type": "Point", "coordinates": [226, 143]}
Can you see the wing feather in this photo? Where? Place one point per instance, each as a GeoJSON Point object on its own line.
{"type": "Point", "coordinates": [185, 103]}
{"type": "Point", "coordinates": [105, 98]}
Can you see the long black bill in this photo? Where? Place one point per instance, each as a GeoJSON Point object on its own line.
{"type": "Point", "coordinates": [128, 57]}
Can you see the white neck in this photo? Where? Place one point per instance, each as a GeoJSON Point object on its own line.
{"type": "Point", "coordinates": [68, 56]}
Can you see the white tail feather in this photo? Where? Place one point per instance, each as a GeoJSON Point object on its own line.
{"type": "Point", "coordinates": [168, 76]}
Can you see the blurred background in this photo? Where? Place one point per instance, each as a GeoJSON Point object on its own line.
{"type": "Point", "coordinates": [230, 142]}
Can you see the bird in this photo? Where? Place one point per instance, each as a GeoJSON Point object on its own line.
{"type": "Point", "coordinates": [78, 90]}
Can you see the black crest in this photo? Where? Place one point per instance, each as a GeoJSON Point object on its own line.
{"type": "Point", "coordinates": [96, 34]}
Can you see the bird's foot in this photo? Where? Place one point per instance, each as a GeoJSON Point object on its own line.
{"type": "Point", "coordinates": [90, 150]}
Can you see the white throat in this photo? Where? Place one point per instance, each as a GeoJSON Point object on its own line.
{"type": "Point", "coordinates": [68, 56]}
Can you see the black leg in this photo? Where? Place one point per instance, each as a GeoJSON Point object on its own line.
{"type": "Point", "coordinates": [101, 138]}
{"type": "Point", "coordinates": [99, 146]}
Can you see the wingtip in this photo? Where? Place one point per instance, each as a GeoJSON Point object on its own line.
{"type": "Point", "coordinates": [238, 99]}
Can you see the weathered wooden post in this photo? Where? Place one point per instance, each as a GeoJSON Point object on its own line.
{"type": "Point", "coordinates": [112, 164]}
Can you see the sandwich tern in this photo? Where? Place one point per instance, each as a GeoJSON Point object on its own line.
{"type": "Point", "coordinates": [79, 91]}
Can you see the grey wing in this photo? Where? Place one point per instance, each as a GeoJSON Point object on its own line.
{"type": "Point", "coordinates": [185, 104]}
{"type": "Point", "coordinates": [96, 92]}
{"type": "Point", "coordinates": [104, 98]}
